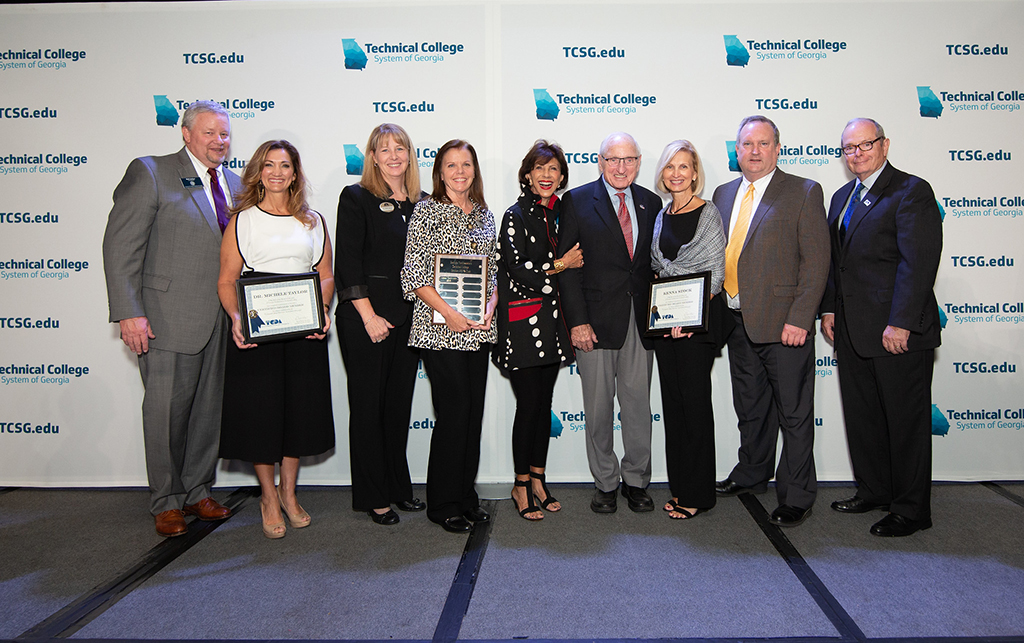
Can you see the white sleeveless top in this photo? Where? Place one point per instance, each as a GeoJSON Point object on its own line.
{"type": "Point", "coordinates": [278, 243]}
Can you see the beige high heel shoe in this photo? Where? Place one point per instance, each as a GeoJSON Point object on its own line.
{"type": "Point", "coordinates": [297, 521]}
{"type": "Point", "coordinates": [272, 531]}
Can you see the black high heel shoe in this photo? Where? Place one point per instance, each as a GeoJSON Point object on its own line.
{"type": "Point", "coordinates": [550, 499]}
{"type": "Point", "coordinates": [389, 517]}
{"type": "Point", "coordinates": [531, 507]}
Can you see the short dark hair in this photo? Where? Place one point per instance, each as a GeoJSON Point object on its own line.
{"type": "Point", "coordinates": [757, 118]}
{"type": "Point", "coordinates": [542, 152]}
{"type": "Point", "coordinates": [476, 190]}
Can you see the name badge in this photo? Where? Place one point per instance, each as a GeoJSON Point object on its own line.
{"type": "Point", "coordinates": [192, 182]}
{"type": "Point", "coordinates": [387, 206]}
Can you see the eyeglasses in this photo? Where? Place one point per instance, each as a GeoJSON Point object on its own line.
{"type": "Point", "coordinates": [630, 161]}
{"type": "Point", "coordinates": [866, 146]}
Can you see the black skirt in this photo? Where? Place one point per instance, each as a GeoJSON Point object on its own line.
{"type": "Point", "coordinates": [277, 401]}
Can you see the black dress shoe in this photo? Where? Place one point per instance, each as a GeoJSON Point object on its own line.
{"type": "Point", "coordinates": [729, 487]}
{"type": "Point", "coordinates": [477, 514]}
{"type": "Point", "coordinates": [896, 525]}
{"type": "Point", "coordinates": [637, 498]}
{"type": "Point", "coordinates": [387, 518]}
{"type": "Point", "coordinates": [411, 505]}
{"type": "Point", "coordinates": [857, 505]}
{"type": "Point", "coordinates": [456, 525]}
{"type": "Point", "coordinates": [789, 516]}
{"type": "Point", "coordinates": [603, 502]}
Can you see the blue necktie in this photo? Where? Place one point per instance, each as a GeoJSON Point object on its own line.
{"type": "Point", "coordinates": [854, 200]}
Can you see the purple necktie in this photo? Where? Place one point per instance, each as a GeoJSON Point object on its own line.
{"type": "Point", "coordinates": [218, 199]}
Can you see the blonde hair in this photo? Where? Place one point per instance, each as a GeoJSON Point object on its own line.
{"type": "Point", "coordinates": [373, 180]}
{"type": "Point", "coordinates": [673, 148]}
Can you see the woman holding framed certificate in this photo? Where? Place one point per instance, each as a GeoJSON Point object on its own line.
{"type": "Point", "coordinates": [374, 321]}
{"type": "Point", "coordinates": [533, 341]}
{"type": "Point", "coordinates": [688, 239]}
{"type": "Point", "coordinates": [450, 271]}
{"type": "Point", "coordinates": [277, 394]}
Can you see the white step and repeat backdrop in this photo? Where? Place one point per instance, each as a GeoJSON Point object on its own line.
{"type": "Point", "coordinates": [88, 87]}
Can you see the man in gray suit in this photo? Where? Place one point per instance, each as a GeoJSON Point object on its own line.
{"type": "Point", "coordinates": [161, 258]}
{"type": "Point", "coordinates": [776, 266]}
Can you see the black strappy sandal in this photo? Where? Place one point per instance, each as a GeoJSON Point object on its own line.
{"type": "Point", "coordinates": [550, 499]}
{"type": "Point", "coordinates": [531, 506]}
{"type": "Point", "coordinates": [687, 514]}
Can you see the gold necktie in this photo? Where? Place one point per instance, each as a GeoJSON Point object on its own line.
{"type": "Point", "coordinates": [736, 239]}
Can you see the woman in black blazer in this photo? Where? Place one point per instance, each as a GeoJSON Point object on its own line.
{"type": "Point", "coordinates": [374, 321]}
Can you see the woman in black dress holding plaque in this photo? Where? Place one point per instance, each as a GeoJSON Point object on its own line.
{"type": "Point", "coordinates": [533, 341]}
{"type": "Point", "coordinates": [455, 220]}
{"type": "Point", "coordinates": [277, 395]}
{"type": "Point", "coordinates": [688, 238]}
{"type": "Point", "coordinates": [374, 321]}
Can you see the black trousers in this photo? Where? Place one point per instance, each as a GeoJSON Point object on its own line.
{"type": "Point", "coordinates": [381, 378]}
{"type": "Point", "coordinates": [773, 389]}
{"type": "Point", "coordinates": [531, 429]}
{"type": "Point", "coordinates": [458, 381]}
{"type": "Point", "coordinates": [684, 370]}
{"type": "Point", "coordinates": [887, 408]}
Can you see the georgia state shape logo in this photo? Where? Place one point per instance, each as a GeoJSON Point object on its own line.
{"type": "Point", "coordinates": [165, 113]}
{"type": "Point", "coordinates": [355, 57]}
{"type": "Point", "coordinates": [736, 55]}
{"type": "Point", "coordinates": [929, 102]}
{"type": "Point", "coordinates": [547, 109]}
{"type": "Point", "coordinates": [353, 160]}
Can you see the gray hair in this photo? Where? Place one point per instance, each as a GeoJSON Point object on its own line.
{"type": "Point", "coordinates": [757, 118]}
{"type": "Point", "coordinates": [614, 138]}
{"type": "Point", "coordinates": [199, 107]}
{"type": "Point", "coordinates": [879, 132]}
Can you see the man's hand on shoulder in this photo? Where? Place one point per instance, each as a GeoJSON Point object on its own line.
{"type": "Point", "coordinates": [583, 337]}
{"type": "Point", "coordinates": [136, 333]}
{"type": "Point", "coordinates": [793, 335]}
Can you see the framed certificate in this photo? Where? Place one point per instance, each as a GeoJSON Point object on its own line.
{"type": "Point", "coordinates": [461, 280]}
{"type": "Point", "coordinates": [681, 302]}
{"type": "Point", "coordinates": [280, 307]}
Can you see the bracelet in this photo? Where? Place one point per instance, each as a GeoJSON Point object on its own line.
{"type": "Point", "coordinates": [559, 265]}
{"type": "Point", "coordinates": [369, 320]}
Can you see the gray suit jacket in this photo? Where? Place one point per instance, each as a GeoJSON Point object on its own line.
{"type": "Point", "coordinates": [161, 252]}
{"type": "Point", "coordinates": [785, 260]}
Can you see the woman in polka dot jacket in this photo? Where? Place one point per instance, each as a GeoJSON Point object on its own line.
{"type": "Point", "coordinates": [533, 341]}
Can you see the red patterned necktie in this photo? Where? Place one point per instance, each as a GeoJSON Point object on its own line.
{"type": "Point", "coordinates": [627, 225]}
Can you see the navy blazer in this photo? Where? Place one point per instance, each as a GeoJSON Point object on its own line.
{"type": "Point", "coordinates": [883, 272]}
{"type": "Point", "coordinates": [609, 282]}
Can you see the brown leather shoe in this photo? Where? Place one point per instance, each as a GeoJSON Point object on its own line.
{"type": "Point", "coordinates": [207, 509]}
{"type": "Point", "coordinates": [171, 523]}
